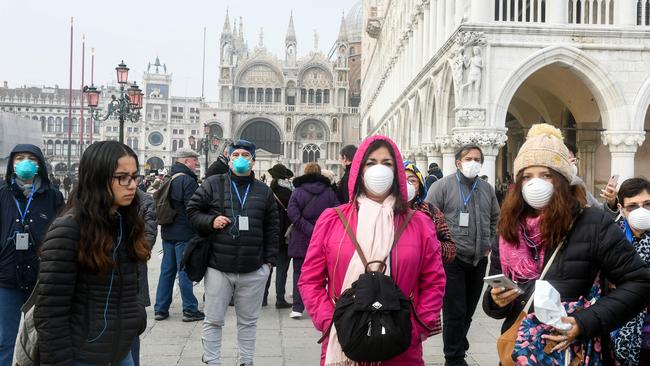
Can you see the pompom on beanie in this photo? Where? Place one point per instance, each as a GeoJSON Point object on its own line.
{"type": "Point", "coordinates": [544, 146]}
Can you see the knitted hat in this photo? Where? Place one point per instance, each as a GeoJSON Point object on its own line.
{"type": "Point", "coordinates": [544, 146]}
{"type": "Point", "coordinates": [409, 165]}
{"type": "Point", "coordinates": [242, 144]}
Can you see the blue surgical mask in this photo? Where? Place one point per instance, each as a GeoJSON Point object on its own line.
{"type": "Point", "coordinates": [26, 169]}
{"type": "Point", "coordinates": [241, 165]}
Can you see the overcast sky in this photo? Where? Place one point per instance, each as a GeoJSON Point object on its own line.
{"type": "Point", "coordinates": [34, 46]}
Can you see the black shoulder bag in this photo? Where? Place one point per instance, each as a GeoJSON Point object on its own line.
{"type": "Point", "coordinates": [198, 251]}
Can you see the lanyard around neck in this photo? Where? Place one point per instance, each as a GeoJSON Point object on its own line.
{"type": "Point", "coordinates": [23, 215]}
{"type": "Point", "coordinates": [241, 201]}
{"type": "Point", "coordinates": [463, 199]}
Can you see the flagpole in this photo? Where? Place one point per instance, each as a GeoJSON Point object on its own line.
{"type": "Point", "coordinates": [81, 99]}
{"type": "Point", "coordinates": [203, 73]}
{"type": "Point", "coordinates": [70, 98]}
{"type": "Point", "coordinates": [92, 77]}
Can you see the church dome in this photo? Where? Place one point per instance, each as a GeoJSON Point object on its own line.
{"type": "Point", "coordinates": [354, 22]}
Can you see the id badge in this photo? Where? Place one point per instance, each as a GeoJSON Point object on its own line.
{"type": "Point", "coordinates": [463, 219]}
{"type": "Point", "coordinates": [243, 223]}
{"type": "Point", "coordinates": [22, 241]}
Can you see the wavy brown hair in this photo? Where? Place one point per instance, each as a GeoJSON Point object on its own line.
{"type": "Point", "coordinates": [557, 216]}
{"type": "Point", "coordinates": [359, 188]}
{"type": "Point", "coordinates": [91, 204]}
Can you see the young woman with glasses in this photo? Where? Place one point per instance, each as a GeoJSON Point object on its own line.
{"type": "Point", "coordinates": [87, 312]}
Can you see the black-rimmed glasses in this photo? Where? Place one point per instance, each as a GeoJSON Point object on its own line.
{"type": "Point", "coordinates": [634, 206]}
{"type": "Point", "coordinates": [125, 180]}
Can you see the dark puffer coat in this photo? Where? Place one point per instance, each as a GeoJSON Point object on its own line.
{"type": "Point", "coordinates": [181, 190]}
{"type": "Point", "coordinates": [596, 244]}
{"type": "Point", "coordinates": [69, 310]}
{"type": "Point", "coordinates": [304, 212]}
{"type": "Point", "coordinates": [233, 250]}
{"type": "Point", "coordinates": [19, 268]}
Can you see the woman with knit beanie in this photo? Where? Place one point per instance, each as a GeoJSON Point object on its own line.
{"type": "Point", "coordinates": [543, 212]}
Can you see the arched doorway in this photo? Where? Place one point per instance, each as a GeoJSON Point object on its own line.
{"type": "Point", "coordinates": [264, 135]}
{"type": "Point", "coordinates": [558, 95]}
{"type": "Point", "coordinates": [154, 163]}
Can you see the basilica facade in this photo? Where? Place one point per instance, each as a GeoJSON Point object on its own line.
{"type": "Point", "coordinates": [442, 73]}
{"type": "Point", "coordinates": [297, 107]}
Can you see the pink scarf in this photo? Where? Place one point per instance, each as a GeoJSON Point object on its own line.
{"type": "Point", "coordinates": [517, 261]}
{"type": "Point", "coordinates": [375, 232]}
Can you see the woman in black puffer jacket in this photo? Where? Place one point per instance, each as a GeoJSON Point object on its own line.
{"type": "Point", "coordinates": [542, 211]}
{"type": "Point", "coordinates": [87, 310]}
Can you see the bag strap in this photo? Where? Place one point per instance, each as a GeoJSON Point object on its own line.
{"type": "Point", "coordinates": [222, 194]}
{"type": "Point", "coordinates": [550, 261]}
{"type": "Point", "coordinates": [357, 246]}
{"type": "Point", "coordinates": [280, 202]}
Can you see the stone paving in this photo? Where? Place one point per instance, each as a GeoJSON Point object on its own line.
{"type": "Point", "coordinates": [281, 341]}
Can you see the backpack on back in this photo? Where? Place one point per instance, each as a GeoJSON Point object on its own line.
{"type": "Point", "coordinates": [373, 316]}
{"type": "Point", "coordinates": [164, 210]}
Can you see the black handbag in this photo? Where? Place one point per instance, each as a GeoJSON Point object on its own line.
{"type": "Point", "coordinates": [199, 250]}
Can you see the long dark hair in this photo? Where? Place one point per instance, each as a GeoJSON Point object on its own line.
{"type": "Point", "coordinates": [91, 202]}
{"type": "Point", "coordinates": [359, 188]}
{"type": "Point", "coordinates": [557, 216]}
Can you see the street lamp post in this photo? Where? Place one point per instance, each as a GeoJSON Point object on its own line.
{"type": "Point", "coordinates": [126, 107]}
{"type": "Point", "coordinates": [209, 142]}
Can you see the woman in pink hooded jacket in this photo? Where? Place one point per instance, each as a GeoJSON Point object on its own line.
{"type": "Point", "coordinates": [378, 204]}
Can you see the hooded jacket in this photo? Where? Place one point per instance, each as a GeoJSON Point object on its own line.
{"type": "Point", "coordinates": [19, 268]}
{"type": "Point", "coordinates": [310, 198]}
{"type": "Point", "coordinates": [419, 269]}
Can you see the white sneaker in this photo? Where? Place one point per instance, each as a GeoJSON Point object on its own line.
{"type": "Point", "coordinates": [295, 315]}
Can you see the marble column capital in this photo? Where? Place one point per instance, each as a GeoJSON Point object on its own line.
{"type": "Point", "coordinates": [623, 141]}
{"type": "Point", "coordinates": [490, 140]}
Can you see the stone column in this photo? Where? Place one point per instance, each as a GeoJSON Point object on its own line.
{"type": "Point", "coordinates": [426, 32]}
{"type": "Point", "coordinates": [481, 10]}
{"type": "Point", "coordinates": [433, 154]}
{"type": "Point", "coordinates": [557, 11]}
{"type": "Point", "coordinates": [623, 146]}
{"type": "Point", "coordinates": [447, 149]}
{"type": "Point", "coordinates": [421, 162]}
{"type": "Point", "coordinates": [625, 12]}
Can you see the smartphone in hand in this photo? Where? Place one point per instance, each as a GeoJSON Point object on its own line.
{"type": "Point", "coordinates": [500, 280]}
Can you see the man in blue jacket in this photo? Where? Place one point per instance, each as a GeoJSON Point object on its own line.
{"type": "Point", "coordinates": [175, 237]}
{"type": "Point", "coordinates": [29, 203]}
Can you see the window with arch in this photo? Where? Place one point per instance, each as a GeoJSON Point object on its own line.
{"type": "Point", "coordinates": [75, 125]}
{"type": "Point", "coordinates": [57, 124]}
{"type": "Point", "coordinates": [44, 124]}
{"type": "Point", "coordinates": [73, 148]}
{"type": "Point", "coordinates": [288, 126]}
{"type": "Point", "coordinates": [268, 95]}
{"type": "Point", "coordinates": [303, 96]}
{"type": "Point", "coordinates": [277, 95]}
{"type": "Point", "coordinates": [311, 96]}
{"type": "Point", "coordinates": [319, 96]}
{"type": "Point", "coordinates": [135, 143]}
{"type": "Point", "coordinates": [326, 96]}
{"type": "Point", "coordinates": [352, 51]}
{"type": "Point", "coordinates": [242, 94]}
{"type": "Point", "coordinates": [174, 145]}
{"type": "Point", "coordinates": [335, 124]}
{"type": "Point", "coordinates": [259, 95]}
{"type": "Point", "coordinates": [49, 147]}
{"type": "Point", "coordinates": [57, 148]}
{"type": "Point", "coordinates": [251, 95]}
{"type": "Point", "coordinates": [310, 153]}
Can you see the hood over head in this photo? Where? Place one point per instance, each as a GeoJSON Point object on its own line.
{"type": "Point", "coordinates": [33, 149]}
{"type": "Point", "coordinates": [361, 152]}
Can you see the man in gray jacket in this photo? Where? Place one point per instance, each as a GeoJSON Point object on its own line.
{"type": "Point", "coordinates": [471, 210]}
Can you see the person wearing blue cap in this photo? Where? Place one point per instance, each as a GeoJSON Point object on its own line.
{"type": "Point", "coordinates": [240, 214]}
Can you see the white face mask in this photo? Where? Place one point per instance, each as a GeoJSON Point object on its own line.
{"type": "Point", "coordinates": [639, 219]}
{"type": "Point", "coordinates": [410, 189]}
{"type": "Point", "coordinates": [574, 170]}
{"type": "Point", "coordinates": [537, 193]}
{"type": "Point", "coordinates": [470, 169]}
{"type": "Point", "coordinates": [378, 179]}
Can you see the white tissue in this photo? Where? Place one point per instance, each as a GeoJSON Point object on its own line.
{"type": "Point", "coordinates": [548, 306]}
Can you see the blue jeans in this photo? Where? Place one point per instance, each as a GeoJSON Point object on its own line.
{"type": "Point", "coordinates": [10, 302]}
{"type": "Point", "coordinates": [127, 361]}
{"type": "Point", "coordinates": [171, 264]}
{"type": "Point", "coordinates": [135, 351]}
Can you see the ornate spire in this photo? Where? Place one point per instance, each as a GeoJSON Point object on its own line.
{"type": "Point", "coordinates": [226, 24]}
{"type": "Point", "coordinates": [343, 33]}
{"type": "Point", "coordinates": [315, 40]}
{"type": "Point", "coordinates": [241, 29]}
{"type": "Point", "coordinates": [291, 32]}
{"type": "Point", "coordinates": [261, 44]}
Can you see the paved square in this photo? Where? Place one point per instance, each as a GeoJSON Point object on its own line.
{"type": "Point", "coordinates": [281, 341]}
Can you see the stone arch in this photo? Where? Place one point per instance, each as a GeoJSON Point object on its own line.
{"type": "Point", "coordinates": [429, 114]}
{"type": "Point", "coordinates": [264, 132]}
{"type": "Point", "coordinates": [415, 125]}
{"type": "Point", "coordinates": [608, 97]}
{"type": "Point", "coordinates": [244, 70]}
{"type": "Point", "coordinates": [446, 104]}
{"type": "Point", "coordinates": [155, 163]}
{"type": "Point", "coordinates": [306, 123]}
{"type": "Point", "coordinates": [641, 106]}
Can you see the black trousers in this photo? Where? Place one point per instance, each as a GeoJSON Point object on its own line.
{"type": "Point", "coordinates": [281, 269]}
{"type": "Point", "coordinates": [462, 292]}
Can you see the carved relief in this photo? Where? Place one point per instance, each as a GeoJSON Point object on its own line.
{"type": "Point", "coordinates": [622, 141]}
{"type": "Point", "coordinates": [260, 75]}
{"type": "Point", "coordinates": [467, 66]}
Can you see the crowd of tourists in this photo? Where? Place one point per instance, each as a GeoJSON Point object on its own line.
{"type": "Point", "coordinates": [382, 258]}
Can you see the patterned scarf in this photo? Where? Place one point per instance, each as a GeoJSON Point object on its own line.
{"type": "Point", "coordinates": [628, 339]}
{"type": "Point", "coordinates": [518, 261]}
